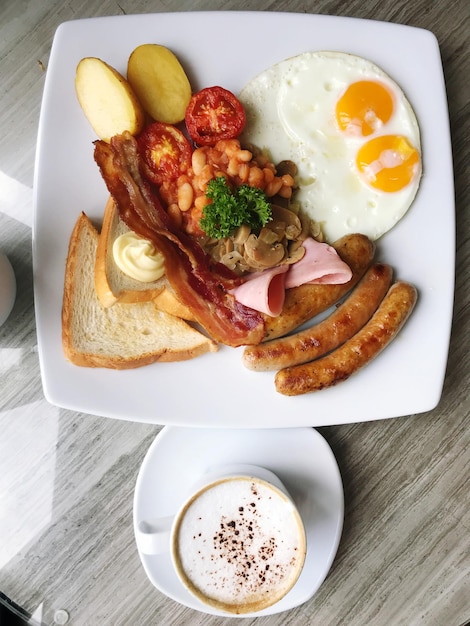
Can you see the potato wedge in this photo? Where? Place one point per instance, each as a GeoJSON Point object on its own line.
{"type": "Point", "coordinates": [107, 99]}
{"type": "Point", "coordinates": [160, 82]}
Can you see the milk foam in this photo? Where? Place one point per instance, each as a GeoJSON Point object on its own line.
{"type": "Point", "coordinates": [240, 543]}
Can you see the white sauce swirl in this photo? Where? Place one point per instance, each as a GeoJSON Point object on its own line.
{"type": "Point", "coordinates": [138, 258]}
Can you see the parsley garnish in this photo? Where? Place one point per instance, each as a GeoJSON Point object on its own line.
{"type": "Point", "coordinates": [231, 209]}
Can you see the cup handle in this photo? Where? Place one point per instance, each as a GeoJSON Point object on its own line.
{"type": "Point", "coordinates": [153, 536]}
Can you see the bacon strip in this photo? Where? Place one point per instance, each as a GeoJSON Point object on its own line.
{"type": "Point", "coordinates": [198, 284]}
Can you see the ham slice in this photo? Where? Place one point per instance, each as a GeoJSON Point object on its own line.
{"type": "Point", "coordinates": [264, 291]}
{"type": "Point", "coordinates": [320, 265]}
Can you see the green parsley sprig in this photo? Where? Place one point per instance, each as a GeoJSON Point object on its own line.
{"type": "Point", "coordinates": [230, 209]}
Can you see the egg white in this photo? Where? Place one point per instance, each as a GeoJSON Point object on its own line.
{"type": "Point", "coordinates": [290, 111]}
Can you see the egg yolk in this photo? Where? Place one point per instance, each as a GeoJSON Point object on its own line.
{"type": "Point", "coordinates": [388, 163]}
{"type": "Point", "coordinates": [364, 107]}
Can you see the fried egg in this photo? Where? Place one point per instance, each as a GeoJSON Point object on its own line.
{"type": "Point", "coordinates": [351, 132]}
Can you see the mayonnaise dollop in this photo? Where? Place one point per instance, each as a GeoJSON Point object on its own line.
{"type": "Point", "coordinates": [138, 258]}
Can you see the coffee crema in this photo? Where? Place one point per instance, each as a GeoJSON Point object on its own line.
{"type": "Point", "coordinates": [239, 545]}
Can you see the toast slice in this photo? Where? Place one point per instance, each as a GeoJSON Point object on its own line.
{"type": "Point", "coordinates": [113, 285]}
{"type": "Point", "coordinates": [125, 335]}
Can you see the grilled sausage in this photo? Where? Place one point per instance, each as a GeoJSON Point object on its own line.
{"type": "Point", "coordinates": [304, 302]}
{"type": "Point", "coordinates": [340, 326]}
{"type": "Point", "coordinates": [357, 352]}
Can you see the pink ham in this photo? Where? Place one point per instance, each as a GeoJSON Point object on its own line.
{"type": "Point", "coordinates": [320, 264]}
{"type": "Point", "coordinates": [263, 291]}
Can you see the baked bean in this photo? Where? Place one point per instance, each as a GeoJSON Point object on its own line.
{"type": "Point", "coordinates": [233, 167]}
{"type": "Point", "coordinates": [273, 187]}
{"type": "Point", "coordinates": [205, 176]}
{"type": "Point", "coordinates": [268, 174]}
{"type": "Point", "coordinates": [256, 177]}
{"type": "Point", "coordinates": [243, 172]}
{"type": "Point", "coordinates": [174, 212]}
{"type": "Point", "coordinates": [198, 160]}
{"type": "Point", "coordinates": [218, 159]}
{"type": "Point", "coordinates": [229, 146]}
{"type": "Point", "coordinates": [168, 192]}
{"type": "Point", "coordinates": [244, 156]}
{"type": "Point", "coordinates": [201, 201]}
{"type": "Point", "coordinates": [285, 191]}
{"type": "Point", "coordinates": [191, 220]}
{"type": "Point", "coordinates": [185, 196]}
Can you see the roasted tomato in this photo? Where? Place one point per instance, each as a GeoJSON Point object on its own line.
{"type": "Point", "coordinates": [165, 151]}
{"type": "Point", "coordinates": [212, 114]}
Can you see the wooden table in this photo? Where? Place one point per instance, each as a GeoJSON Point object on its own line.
{"type": "Point", "coordinates": [67, 549]}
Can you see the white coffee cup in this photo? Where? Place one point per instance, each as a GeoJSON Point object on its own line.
{"type": "Point", "coordinates": [237, 542]}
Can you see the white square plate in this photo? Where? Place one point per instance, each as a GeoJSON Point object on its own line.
{"type": "Point", "coordinates": [229, 48]}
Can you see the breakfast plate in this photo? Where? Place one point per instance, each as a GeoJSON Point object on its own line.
{"type": "Point", "coordinates": [215, 389]}
{"type": "Point", "coordinates": [311, 476]}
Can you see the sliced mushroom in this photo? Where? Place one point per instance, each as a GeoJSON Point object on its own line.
{"type": "Point", "coordinates": [218, 250]}
{"type": "Point", "coordinates": [295, 252]}
{"type": "Point", "coordinates": [229, 247]}
{"type": "Point", "coordinates": [316, 231]}
{"type": "Point", "coordinates": [293, 225]}
{"type": "Point", "coordinates": [270, 236]}
{"type": "Point", "coordinates": [262, 255]}
{"type": "Point", "coordinates": [235, 261]}
{"type": "Point", "coordinates": [242, 234]}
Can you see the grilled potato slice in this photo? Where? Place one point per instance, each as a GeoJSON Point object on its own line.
{"type": "Point", "coordinates": [107, 99]}
{"type": "Point", "coordinates": [160, 82]}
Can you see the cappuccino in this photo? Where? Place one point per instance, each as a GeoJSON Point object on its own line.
{"type": "Point", "coordinates": [239, 544]}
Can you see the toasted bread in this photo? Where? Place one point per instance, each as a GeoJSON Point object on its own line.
{"type": "Point", "coordinates": [113, 285]}
{"type": "Point", "coordinates": [125, 335]}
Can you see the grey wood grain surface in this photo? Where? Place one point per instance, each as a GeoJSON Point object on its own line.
{"type": "Point", "coordinates": [67, 479]}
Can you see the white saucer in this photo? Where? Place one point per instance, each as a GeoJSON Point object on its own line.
{"type": "Point", "coordinates": [300, 457]}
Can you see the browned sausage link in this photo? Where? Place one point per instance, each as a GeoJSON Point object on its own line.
{"type": "Point", "coordinates": [337, 328]}
{"type": "Point", "coordinates": [340, 364]}
{"type": "Point", "coordinates": [304, 302]}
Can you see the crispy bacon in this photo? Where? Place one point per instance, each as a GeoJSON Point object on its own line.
{"type": "Point", "coordinates": [198, 283]}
